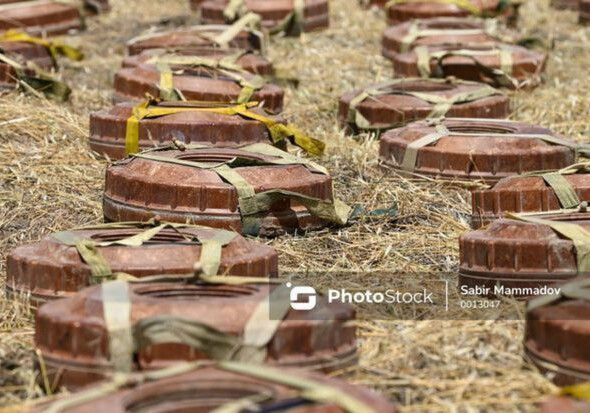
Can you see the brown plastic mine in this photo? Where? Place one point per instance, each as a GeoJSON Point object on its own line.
{"type": "Point", "coordinates": [565, 405]}
{"type": "Point", "coordinates": [50, 18]}
{"type": "Point", "coordinates": [251, 62]}
{"type": "Point", "coordinates": [203, 84]}
{"type": "Point", "coordinates": [585, 12]}
{"type": "Point", "coordinates": [396, 108]}
{"type": "Point", "coordinates": [510, 253]}
{"type": "Point", "coordinates": [140, 189]}
{"type": "Point", "coordinates": [526, 68]}
{"type": "Point", "coordinates": [402, 12]}
{"type": "Point", "coordinates": [316, 14]}
{"type": "Point", "coordinates": [480, 158]}
{"type": "Point", "coordinates": [566, 4]}
{"type": "Point", "coordinates": [108, 129]}
{"type": "Point", "coordinates": [48, 269]}
{"type": "Point", "coordinates": [322, 339]}
{"type": "Point", "coordinates": [556, 339]}
{"type": "Point", "coordinates": [209, 388]}
{"type": "Point", "coordinates": [522, 194]}
{"type": "Point", "coordinates": [196, 37]}
{"type": "Point", "coordinates": [438, 31]}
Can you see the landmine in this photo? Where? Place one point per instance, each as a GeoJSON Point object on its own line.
{"type": "Point", "coordinates": [484, 150]}
{"type": "Point", "coordinates": [206, 387]}
{"type": "Point", "coordinates": [289, 16]}
{"type": "Point", "coordinates": [256, 189]}
{"type": "Point", "coordinates": [395, 103]}
{"type": "Point", "coordinates": [63, 263]}
{"type": "Point", "coordinates": [556, 330]}
{"type": "Point", "coordinates": [499, 65]}
{"type": "Point", "coordinates": [524, 255]}
{"type": "Point", "coordinates": [218, 318]}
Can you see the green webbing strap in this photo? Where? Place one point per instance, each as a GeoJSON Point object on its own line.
{"type": "Point", "coordinates": [293, 22]}
{"type": "Point", "coordinates": [411, 153]}
{"type": "Point", "coordinates": [502, 76]}
{"type": "Point", "coordinates": [252, 203]}
{"type": "Point", "coordinates": [39, 82]}
{"type": "Point", "coordinates": [574, 290]}
{"type": "Point", "coordinates": [442, 104]}
{"type": "Point", "coordinates": [574, 232]}
{"type": "Point", "coordinates": [126, 339]}
{"type": "Point", "coordinates": [117, 317]}
{"type": "Point", "coordinates": [89, 250]}
{"type": "Point", "coordinates": [565, 192]}
{"type": "Point", "coordinates": [415, 33]}
{"type": "Point", "coordinates": [310, 389]}
{"type": "Point", "coordinates": [462, 4]}
{"type": "Point", "coordinates": [250, 83]}
{"type": "Point", "coordinates": [247, 21]}
{"type": "Point", "coordinates": [234, 9]}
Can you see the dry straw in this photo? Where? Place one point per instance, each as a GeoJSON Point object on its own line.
{"type": "Point", "coordinates": [49, 181]}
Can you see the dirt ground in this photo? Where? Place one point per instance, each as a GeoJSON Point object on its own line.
{"type": "Point", "coordinates": [49, 181]}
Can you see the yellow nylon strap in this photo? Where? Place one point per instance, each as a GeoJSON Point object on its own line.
{"type": "Point", "coordinates": [576, 233]}
{"type": "Point", "coordinates": [117, 316]}
{"type": "Point", "coordinates": [56, 49]}
{"type": "Point", "coordinates": [310, 389]}
{"type": "Point", "coordinates": [579, 391]}
{"type": "Point", "coordinates": [462, 4]}
{"type": "Point", "coordinates": [565, 192]}
{"type": "Point", "coordinates": [278, 132]}
{"type": "Point", "coordinates": [166, 84]}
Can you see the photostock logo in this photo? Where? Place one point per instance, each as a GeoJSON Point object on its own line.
{"type": "Point", "coordinates": [307, 292]}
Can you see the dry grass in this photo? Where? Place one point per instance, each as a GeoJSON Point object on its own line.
{"type": "Point", "coordinates": [49, 181]}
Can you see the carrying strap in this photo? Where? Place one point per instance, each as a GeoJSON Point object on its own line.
{"type": "Point", "coordinates": [466, 5]}
{"type": "Point", "coordinates": [565, 192]}
{"type": "Point", "coordinates": [579, 391]}
{"type": "Point", "coordinates": [247, 21]}
{"type": "Point", "coordinates": [574, 232]}
{"type": "Point", "coordinates": [220, 34]}
{"type": "Point", "coordinates": [37, 81]}
{"type": "Point", "coordinates": [250, 83]}
{"type": "Point", "coordinates": [442, 104]}
{"type": "Point", "coordinates": [55, 48]}
{"type": "Point", "coordinates": [575, 290]}
{"type": "Point", "coordinates": [89, 250]}
{"type": "Point", "coordinates": [415, 32]}
{"type": "Point", "coordinates": [308, 388]}
{"type": "Point", "coordinates": [278, 132]}
{"type": "Point", "coordinates": [251, 203]}
{"type": "Point", "coordinates": [127, 339]}
{"type": "Point", "coordinates": [502, 76]}
{"type": "Point", "coordinates": [411, 154]}
{"type": "Point", "coordinates": [292, 23]}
